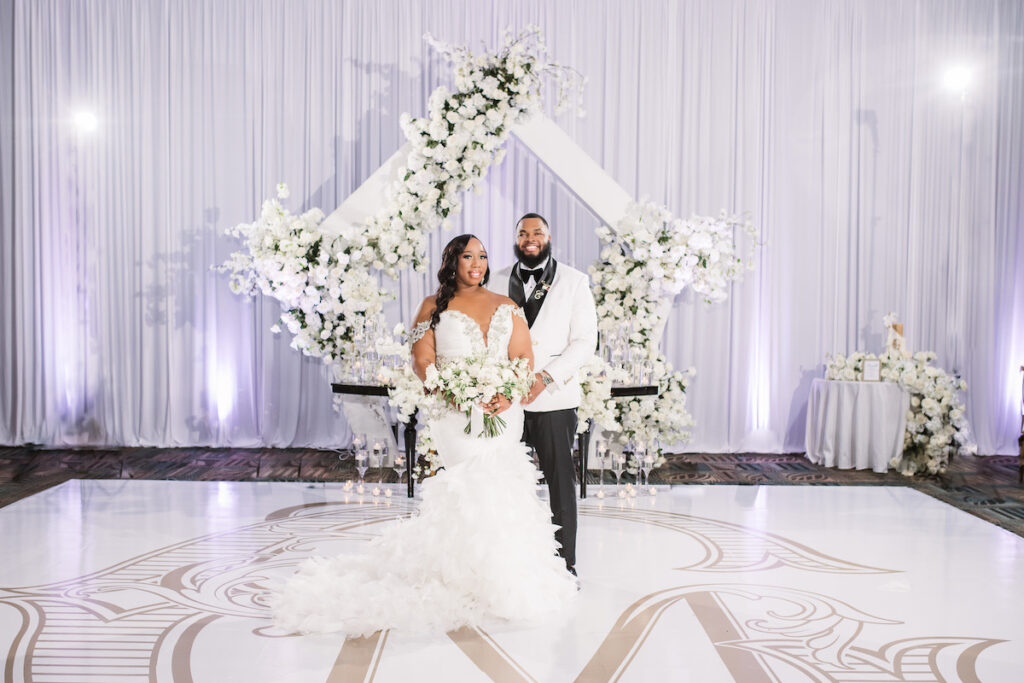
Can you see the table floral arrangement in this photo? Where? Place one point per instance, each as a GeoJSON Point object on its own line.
{"type": "Point", "coordinates": [937, 426]}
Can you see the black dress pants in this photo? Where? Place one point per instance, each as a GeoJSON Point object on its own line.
{"type": "Point", "coordinates": [552, 435]}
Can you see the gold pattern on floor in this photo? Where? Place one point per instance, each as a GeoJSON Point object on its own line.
{"type": "Point", "coordinates": [818, 584]}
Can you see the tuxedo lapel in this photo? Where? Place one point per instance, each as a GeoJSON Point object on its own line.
{"type": "Point", "coordinates": [516, 291]}
{"type": "Point", "coordinates": [536, 300]}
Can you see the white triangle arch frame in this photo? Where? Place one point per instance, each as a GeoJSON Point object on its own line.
{"type": "Point", "coordinates": [583, 176]}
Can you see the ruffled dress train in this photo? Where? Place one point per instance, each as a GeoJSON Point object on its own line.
{"type": "Point", "coordinates": [481, 546]}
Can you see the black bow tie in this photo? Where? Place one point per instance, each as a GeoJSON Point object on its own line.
{"type": "Point", "coordinates": [528, 274]}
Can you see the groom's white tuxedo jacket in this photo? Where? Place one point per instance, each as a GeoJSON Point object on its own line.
{"type": "Point", "coordinates": [564, 334]}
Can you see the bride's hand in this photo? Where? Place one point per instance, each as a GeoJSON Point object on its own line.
{"type": "Point", "coordinates": [498, 404]}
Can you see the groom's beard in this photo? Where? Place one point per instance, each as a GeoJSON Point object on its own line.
{"type": "Point", "coordinates": [532, 261]}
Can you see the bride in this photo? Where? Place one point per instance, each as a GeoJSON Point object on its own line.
{"type": "Point", "coordinates": [482, 543]}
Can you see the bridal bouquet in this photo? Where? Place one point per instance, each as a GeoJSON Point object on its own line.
{"type": "Point", "coordinates": [472, 380]}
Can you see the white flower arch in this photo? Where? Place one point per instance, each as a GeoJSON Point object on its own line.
{"type": "Point", "coordinates": [323, 272]}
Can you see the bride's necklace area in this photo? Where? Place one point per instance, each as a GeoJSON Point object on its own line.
{"type": "Point", "coordinates": [473, 293]}
{"type": "Point", "coordinates": [485, 331]}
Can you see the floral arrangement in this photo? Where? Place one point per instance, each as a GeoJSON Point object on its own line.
{"type": "Point", "coordinates": [325, 294]}
{"type": "Point", "coordinates": [328, 285]}
{"type": "Point", "coordinates": [649, 257]}
{"type": "Point", "coordinates": [597, 405]}
{"type": "Point", "coordinates": [937, 426]}
{"type": "Point", "coordinates": [657, 421]}
{"type": "Point", "coordinates": [460, 138]}
{"type": "Point", "coordinates": [474, 379]}
{"type": "Point", "coordinates": [646, 259]}
{"type": "Point", "coordinates": [406, 394]}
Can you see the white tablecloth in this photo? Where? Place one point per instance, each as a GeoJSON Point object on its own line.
{"type": "Point", "coordinates": [856, 425]}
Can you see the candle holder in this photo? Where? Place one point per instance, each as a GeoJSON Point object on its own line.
{"type": "Point", "coordinates": [618, 465]}
{"type": "Point", "coordinates": [643, 461]}
{"type": "Point", "coordinates": [377, 462]}
{"type": "Point", "coordinates": [358, 442]}
{"type": "Point", "coordinates": [362, 458]}
{"type": "Point", "coordinates": [601, 455]}
{"type": "Point", "coordinates": [646, 465]}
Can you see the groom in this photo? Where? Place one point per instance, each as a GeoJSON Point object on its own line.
{"type": "Point", "coordinates": [563, 325]}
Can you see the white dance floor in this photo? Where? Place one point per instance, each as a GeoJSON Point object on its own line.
{"type": "Point", "coordinates": [165, 581]}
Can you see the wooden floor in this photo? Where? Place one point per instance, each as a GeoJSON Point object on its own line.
{"type": "Point", "coordinates": [983, 486]}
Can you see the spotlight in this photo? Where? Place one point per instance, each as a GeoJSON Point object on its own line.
{"type": "Point", "coordinates": [957, 78]}
{"type": "Point", "coordinates": [86, 122]}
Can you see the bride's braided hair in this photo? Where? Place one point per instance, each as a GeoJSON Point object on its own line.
{"type": "Point", "coordinates": [446, 276]}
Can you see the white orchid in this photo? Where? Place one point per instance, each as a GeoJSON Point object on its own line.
{"type": "Point", "coordinates": [596, 404]}
{"type": "Point", "coordinates": [288, 258]}
{"type": "Point", "coordinates": [649, 256]}
{"type": "Point", "coordinates": [457, 142]}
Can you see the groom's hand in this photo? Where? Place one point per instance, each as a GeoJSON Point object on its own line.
{"type": "Point", "coordinates": [538, 386]}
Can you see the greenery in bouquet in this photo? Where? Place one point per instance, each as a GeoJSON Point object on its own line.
{"type": "Point", "coordinates": [472, 380]}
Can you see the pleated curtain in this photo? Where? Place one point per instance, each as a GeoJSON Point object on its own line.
{"type": "Point", "coordinates": [874, 188]}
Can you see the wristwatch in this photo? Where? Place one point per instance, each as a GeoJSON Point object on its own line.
{"type": "Point", "coordinates": [546, 378]}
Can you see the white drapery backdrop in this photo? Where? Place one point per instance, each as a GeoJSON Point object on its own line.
{"type": "Point", "coordinates": [874, 189]}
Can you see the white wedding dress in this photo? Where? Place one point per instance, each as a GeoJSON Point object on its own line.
{"type": "Point", "coordinates": [480, 546]}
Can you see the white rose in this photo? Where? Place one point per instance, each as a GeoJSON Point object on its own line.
{"type": "Point", "coordinates": [701, 241]}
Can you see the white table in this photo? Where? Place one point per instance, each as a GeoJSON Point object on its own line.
{"type": "Point", "coordinates": [855, 425]}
